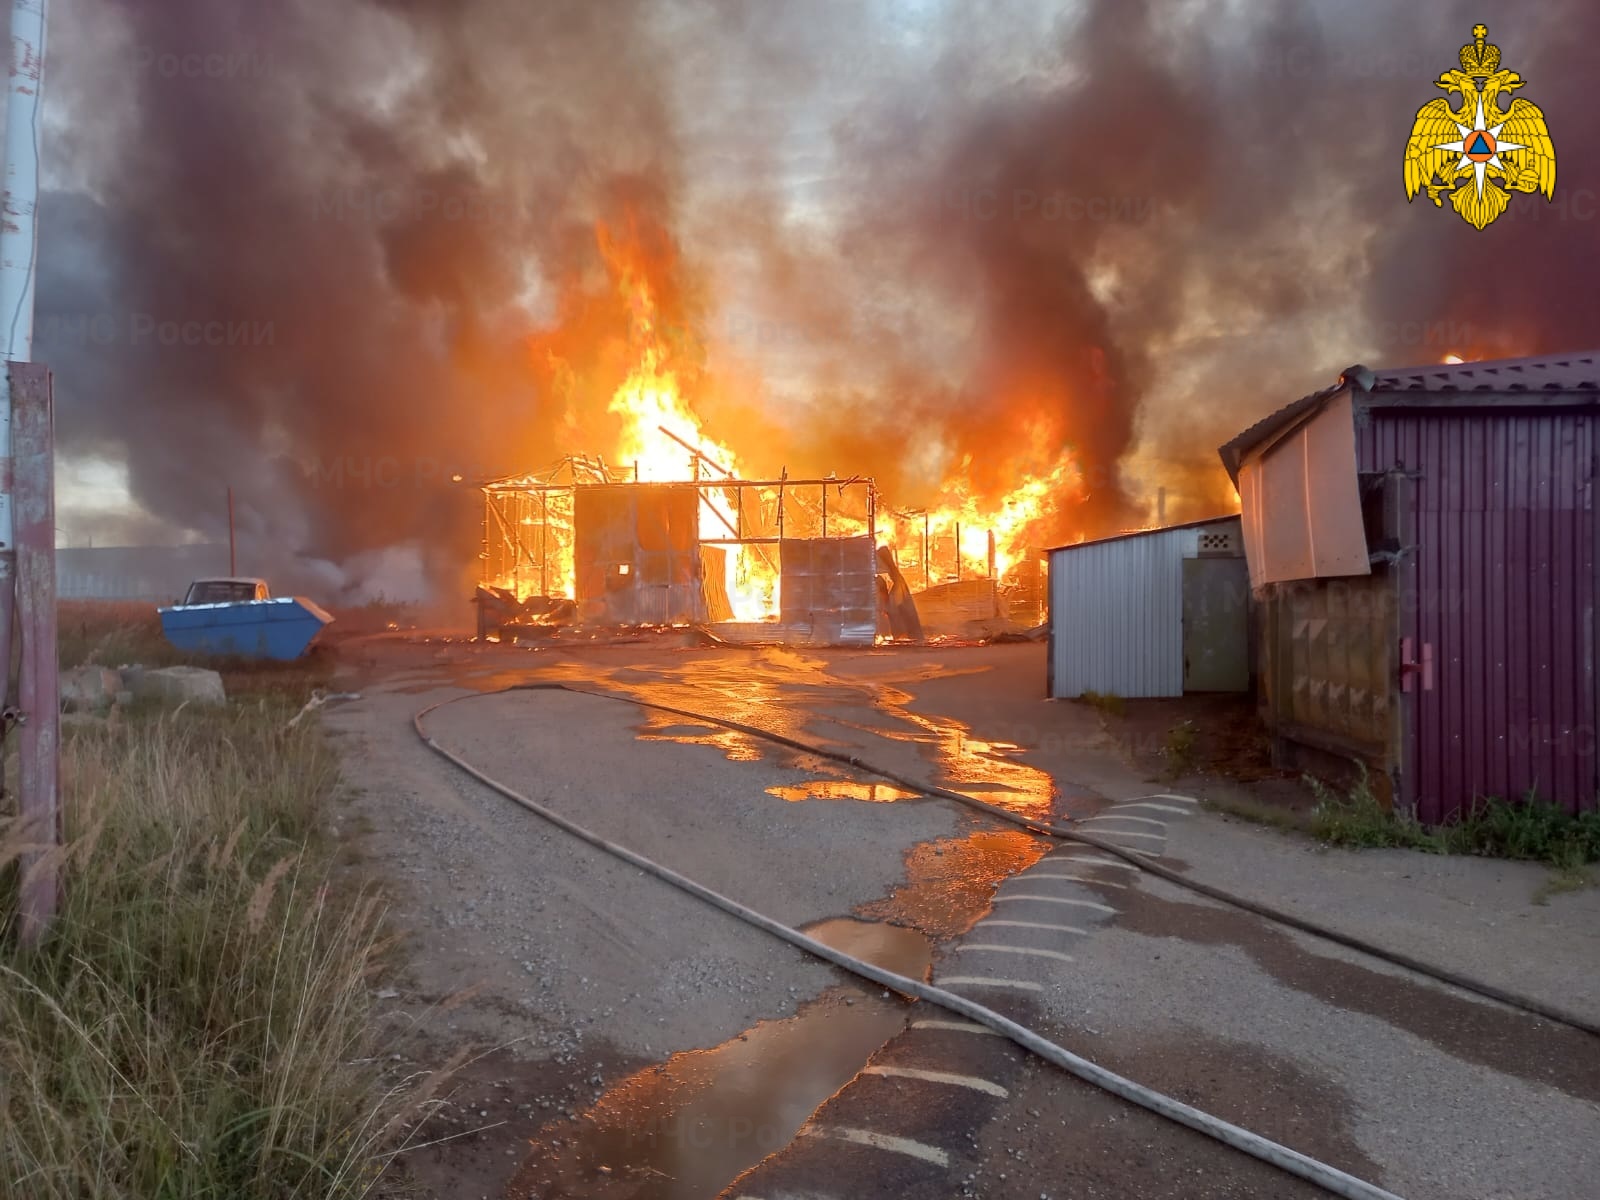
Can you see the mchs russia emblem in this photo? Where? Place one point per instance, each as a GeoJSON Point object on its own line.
{"type": "Point", "coordinates": [1479, 153]}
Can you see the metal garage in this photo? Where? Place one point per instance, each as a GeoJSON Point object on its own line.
{"type": "Point", "coordinates": [1161, 612]}
{"type": "Point", "coordinates": [1425, 551]}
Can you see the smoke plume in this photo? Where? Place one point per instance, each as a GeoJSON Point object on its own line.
{"type": "Point", "coordinates": [333, 255]}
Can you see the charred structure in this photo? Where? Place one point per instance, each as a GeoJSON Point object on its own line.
{"type": "Point", "coordinates": [787, 558]}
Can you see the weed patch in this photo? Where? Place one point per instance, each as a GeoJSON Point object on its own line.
{"type": "Point", "coordinates": [1360, 819]}
{"type": "Point", "coordinates": [1531, 829]}
{"type": "Point", "coordinates": [1182, 742]}
{"type": "Point", "coordinates": [1108, 703]}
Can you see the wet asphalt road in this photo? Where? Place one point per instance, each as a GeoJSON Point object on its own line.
{"type": "Point", "coordinates": [845, 1092]}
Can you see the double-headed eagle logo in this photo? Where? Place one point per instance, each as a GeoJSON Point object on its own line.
{"type": "Point", "coordinates": [1480, 153]}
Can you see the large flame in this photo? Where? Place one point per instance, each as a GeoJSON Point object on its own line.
{"type": "Point", "coordinates": [662, 439]}
{"type": "Point", "coordinates": [974, 534]}
{"type": "Point", "coordinates": [658, 437]}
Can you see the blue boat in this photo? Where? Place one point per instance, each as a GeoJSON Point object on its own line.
{"type": "Point", "coordinates": [212, 621]}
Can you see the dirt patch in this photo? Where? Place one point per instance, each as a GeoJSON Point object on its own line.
{"type": "Point", "coordinates": [1214, 747]}
{"type": "Point", "coordinates": [1228, 739]}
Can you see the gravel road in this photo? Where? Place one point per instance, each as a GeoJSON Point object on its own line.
{"type": "Point", "coordinates": [598, 992]}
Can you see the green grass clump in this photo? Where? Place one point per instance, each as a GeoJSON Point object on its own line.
{"type": "Point", "coordinates": [195, 1023]}
{"type": "Point", "coordinates": [1531, 829]}
{"type": "Point", "coordinates": [1180, 749]}
{"type": "Point", "coordinates": [1109, 703]}
{"type": "Point", "coordinates": [1360, 819]}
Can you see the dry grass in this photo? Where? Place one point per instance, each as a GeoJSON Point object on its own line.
{"type": "Point", "coordinates": [197, 1024]}
{"type": "Point", "coordinates": [113, 634]}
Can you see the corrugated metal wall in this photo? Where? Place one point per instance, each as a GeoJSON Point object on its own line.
{"type": "Point", "coordinates": [829, 588]}
{"type": "Point", "coordinates": [1503, 588]}
{"type": "Point", "coordinates": [157, 573]}
{"type": "Point", "coordinates": [1116, 614]}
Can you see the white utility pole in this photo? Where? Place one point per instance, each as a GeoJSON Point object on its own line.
{"type": "Point", "coordinates": [19, 260]}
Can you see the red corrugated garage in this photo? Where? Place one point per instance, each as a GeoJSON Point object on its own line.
{"type": "Point", "coordinates": [1423, 546]}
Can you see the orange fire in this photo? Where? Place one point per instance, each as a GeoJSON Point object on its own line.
{"type": "Point", "coordinates": [658, 437]}
{"type": "Point", "coordinates": [659, 428]}
{"type": "Point", "coordinates": [975, 536]}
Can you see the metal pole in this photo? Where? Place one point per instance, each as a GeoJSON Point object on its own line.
{"type": "Point", "coordinates": [824, 510]}
{"type": "Point", "coordinates": [233, 568]}
{"type": "Point", "coordinates": [958, 551]}
{"type": "Point", "coordinates": [927, 577]}
{"type": "Point", "coordinates": [19, 249]}
{"type": "Point", "coordinates": [991, 554]}
{"type": "Point", "coordinates": [483, 553]}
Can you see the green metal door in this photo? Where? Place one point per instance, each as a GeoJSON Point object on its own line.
{"type": "Point", "coordinates": [1216, 625]}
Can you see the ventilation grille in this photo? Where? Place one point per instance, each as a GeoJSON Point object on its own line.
{"type": "Point", "coordinates": [1219, 543]}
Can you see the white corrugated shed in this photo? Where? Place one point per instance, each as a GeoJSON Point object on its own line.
{"type": "Point", "coordinates": [1116, 611]}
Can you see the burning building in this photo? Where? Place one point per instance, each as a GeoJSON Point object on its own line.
{"type": "Point", "coordinates": [672, 528]}
{"type": "Point", "coordinates": [790, 558]}
{"type": "Point", "coordinates": [580, 545]}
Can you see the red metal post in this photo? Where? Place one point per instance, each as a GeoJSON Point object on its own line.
{"type": "Point", "coordinates": [233, 568]}
{"type": "Point", "coordinates": [33, 467]}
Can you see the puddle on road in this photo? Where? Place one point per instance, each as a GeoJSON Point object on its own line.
{"type": "Point", "coordinates": [685, 1129]}
{"type": "Point", "coordinates": [841, 789]}
{"type": "Point", "coordinates": [966, 762]}
{"type": "Point", "coordinates": [892, 947]}
{"type": "Point", "coordinates": [735, 746]}
{"type": "Point", "coordinates": [976, 765]}
{"type": "Point", "coordinates": [796, 696]}
{"type": "Point", "coordinates": [950, 883]}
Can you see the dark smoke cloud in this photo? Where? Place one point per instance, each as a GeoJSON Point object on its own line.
{"type": "Point", "coordinates": [1160, 223]}
{"type": "Point", "coordinates": [297, 271]}
{"type": "Point", "coordinates": [954, 246]}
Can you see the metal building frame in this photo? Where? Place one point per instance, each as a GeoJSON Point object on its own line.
{"type": "Point", "coordinates": [550, 494]}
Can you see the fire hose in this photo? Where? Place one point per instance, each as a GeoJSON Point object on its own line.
{"type": "Point", "coordinates": [1052, 829]}
{"type": "Point", "coordinates": [1329, 1178]}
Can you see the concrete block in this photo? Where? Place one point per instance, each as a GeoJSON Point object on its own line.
{"type": "Point", "coordinates": [89, 688]}
{"type": "Point", "coordinates": [178, 685]}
